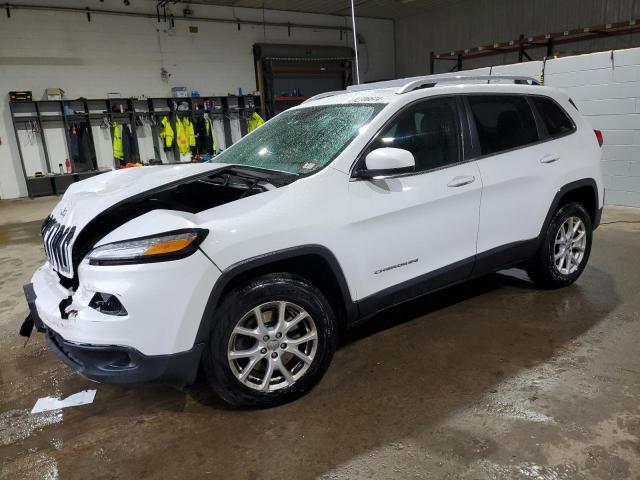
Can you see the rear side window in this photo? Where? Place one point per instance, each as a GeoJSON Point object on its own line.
{"type": "Point", "coordinates": [503, 122]}
{"type": "Point", "coordinates": [554, 118]}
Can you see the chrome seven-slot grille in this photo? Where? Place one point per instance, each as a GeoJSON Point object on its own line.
{"type": "Point", "coordinates": [57, 239]}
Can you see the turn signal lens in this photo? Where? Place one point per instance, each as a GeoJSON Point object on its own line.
{"type": "Point", "coordinates": [168, 246]}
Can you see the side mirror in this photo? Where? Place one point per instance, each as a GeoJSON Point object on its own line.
{"type": "Point", "coordinates": [387, 161]}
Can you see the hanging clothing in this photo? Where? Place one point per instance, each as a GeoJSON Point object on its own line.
{"type": "Point", "coordinates": [185, 135]}
{"type": "Point", "coordinates": [212, 132]}
{"type": "Point", "coordinates": [254, 121]}
{"type": "Point", "coordinates": [166, 134]}
{"type": "Point", "coordinates": [206, 141]}
{"type": "Point", "coordinates": [117, 143]}
{"type": "Point", "coordinates": [81, 148]}
{"type": "Point", "coordinates": [125, 147]}
{"type": "Point", "coordinates": [74, 144]}
{"type": "Point", "coordinates": [130, 151]}
{"type": "Point", "coordinates": [191, 132]}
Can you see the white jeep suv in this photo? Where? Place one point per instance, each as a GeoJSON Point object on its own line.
{"type": "Point", "coordinates": [332, 211]}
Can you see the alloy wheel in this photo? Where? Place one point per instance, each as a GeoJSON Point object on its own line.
{"type": "Point", "coordinates": [272, 346]}
{"type": "Point", "coordinates": [570, 245]}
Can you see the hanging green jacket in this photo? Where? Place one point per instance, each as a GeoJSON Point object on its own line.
{"type": "Point", "coordinates": [118, 153]}
{"type": "Point", "coordinates": [254, 121]}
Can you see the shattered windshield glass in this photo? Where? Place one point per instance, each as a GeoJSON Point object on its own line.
{"type": "Point", "coordinates": [303, 140]}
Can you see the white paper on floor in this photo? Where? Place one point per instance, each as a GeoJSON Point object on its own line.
{"type": "Point", "coordinates": [45, 404]}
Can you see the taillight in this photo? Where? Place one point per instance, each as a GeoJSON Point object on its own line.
{"type": "Point", "coordinates": [599, 137]}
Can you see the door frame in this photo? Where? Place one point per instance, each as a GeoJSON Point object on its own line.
{"type": "Point", "coordinates": [465, 131]}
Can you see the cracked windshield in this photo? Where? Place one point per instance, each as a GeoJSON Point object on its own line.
{"type": "Point", "coordinates": [301, 141]}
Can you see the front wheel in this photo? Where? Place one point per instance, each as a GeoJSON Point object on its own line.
{"type": "Point", "coordinates": [271, 342]}
{"type": "Point", "coordinates": [565, 248]}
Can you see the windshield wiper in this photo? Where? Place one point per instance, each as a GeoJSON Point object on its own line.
{"type": "Point", "coordinates": [252, 186]}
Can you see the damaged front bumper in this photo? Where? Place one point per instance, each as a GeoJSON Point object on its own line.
{"type": "Point", "coordinates": [111, 364]}
{"type": "Point", "coordinates": [153, 342]}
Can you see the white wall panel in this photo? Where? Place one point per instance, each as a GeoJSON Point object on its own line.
{"type": "Point", "coordinates": [617, 197]}
{"type": "Point", "coordinates": [607, 107]}
{"type": "Point", "coordinates": [527, 69]}
{"type": "Point", "coordinates": [580, 63]}
{"type": "Point", "coordinates": [578, 78]}
{"type": "Point", "coordinates": [619, 137]}
{"type": "Point", "coordinates": [621, 152]}
{"type": "Point", "coordinates": [616, 168]}
{"type": "Point", "coordinates": [616, 122]}
{"type": "Point", "coordinates": [629, 73]}
{"type": "Point", "coordinates": [630, 57]}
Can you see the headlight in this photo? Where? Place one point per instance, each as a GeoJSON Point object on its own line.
{"type": "Point", "coordinates": [155, 248]}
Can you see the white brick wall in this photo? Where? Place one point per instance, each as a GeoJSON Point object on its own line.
{"type": "Point", "coordinates": [606, 88]}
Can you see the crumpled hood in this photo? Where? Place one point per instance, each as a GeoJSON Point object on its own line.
{"type": "Point", "coordinates": [84, 200]}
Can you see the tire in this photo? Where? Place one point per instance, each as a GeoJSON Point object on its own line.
{"type": "Point", "coordinates": [548, 272]}
{"type": "Point", "coordinates": [236, 331]}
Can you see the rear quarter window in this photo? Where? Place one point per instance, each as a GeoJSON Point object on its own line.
{"type": "Point", "coordinates": [553, 116]}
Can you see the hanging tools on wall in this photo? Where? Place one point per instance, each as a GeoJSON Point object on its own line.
{"type": "Point", "coordinates": [33, 132]}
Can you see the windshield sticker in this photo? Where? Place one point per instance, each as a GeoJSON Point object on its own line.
{"type": "Point", "coordinates": [368, 99]}
{"type": "Point", "coordinates": [309, 165]}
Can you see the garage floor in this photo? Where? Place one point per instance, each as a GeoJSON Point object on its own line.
{"type": "Point", "coordinates": [493, 379]}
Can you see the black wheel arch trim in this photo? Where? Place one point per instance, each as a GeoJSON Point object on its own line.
{"type": "Point", "coordinates": [233, 271]}
{"type": "Point", "coordinates": [562, 191]}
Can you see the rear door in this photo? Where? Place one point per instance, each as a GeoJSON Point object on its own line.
{"type": "Point", "coordinates": [518, 169]}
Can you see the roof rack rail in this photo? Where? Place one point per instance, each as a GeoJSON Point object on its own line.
{"type": "Point", "coordinates": [324, 95]}
{"type": "Point", "coordinates": [432, 81]}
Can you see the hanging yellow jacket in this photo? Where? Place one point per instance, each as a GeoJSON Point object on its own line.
{"type": "Point", "coordinates": [188, 125]}
{"type": "Point", "coordinates": [166, 132]}
{"type": "Point", "coordinates": [254, 121]}
{"type": "Point", "coordinates": [118, 153]}
{"type": "Point", "coordinates": [185, 135]}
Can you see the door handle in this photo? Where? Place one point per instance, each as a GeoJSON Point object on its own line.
{"type": "Point", "coordinates": [460, 181]}
{"type": "Point", "coordinates": [549, 158]}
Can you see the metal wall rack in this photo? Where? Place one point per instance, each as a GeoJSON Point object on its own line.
{"type": "Point", "coordinates": [520, 45]}
{"type": "Point", "coordinates": [45, 114]}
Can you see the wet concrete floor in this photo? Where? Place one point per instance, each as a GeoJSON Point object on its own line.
{"type": "Point", "coordinates": [493, 379]}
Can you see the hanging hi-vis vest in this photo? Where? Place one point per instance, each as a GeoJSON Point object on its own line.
{"type": "Point", "coordinates": [188, 125]}
{"type": "Point", "coordinates": [166, 133]}
{"type": "Point", "coordinates": [118, 153]}
{"type": "Point", "coordinates": [254, 121]}
{"type": "Point", "coordinates": [185, 135]}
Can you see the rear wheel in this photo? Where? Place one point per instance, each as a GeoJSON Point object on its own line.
{"type": "Point", "coordinates": [272, 340]}
{"type": "Point", "coordinates": [565, 249]}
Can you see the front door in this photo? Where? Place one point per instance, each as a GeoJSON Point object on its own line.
{"type": "Point", "coordinates": [416, 231]}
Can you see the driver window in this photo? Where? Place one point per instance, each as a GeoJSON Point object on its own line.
{"type": "Point", "coordinates": [430, 130]}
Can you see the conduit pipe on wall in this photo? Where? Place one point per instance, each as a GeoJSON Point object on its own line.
{"type": "Point", "coordinates": [234, 21]}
